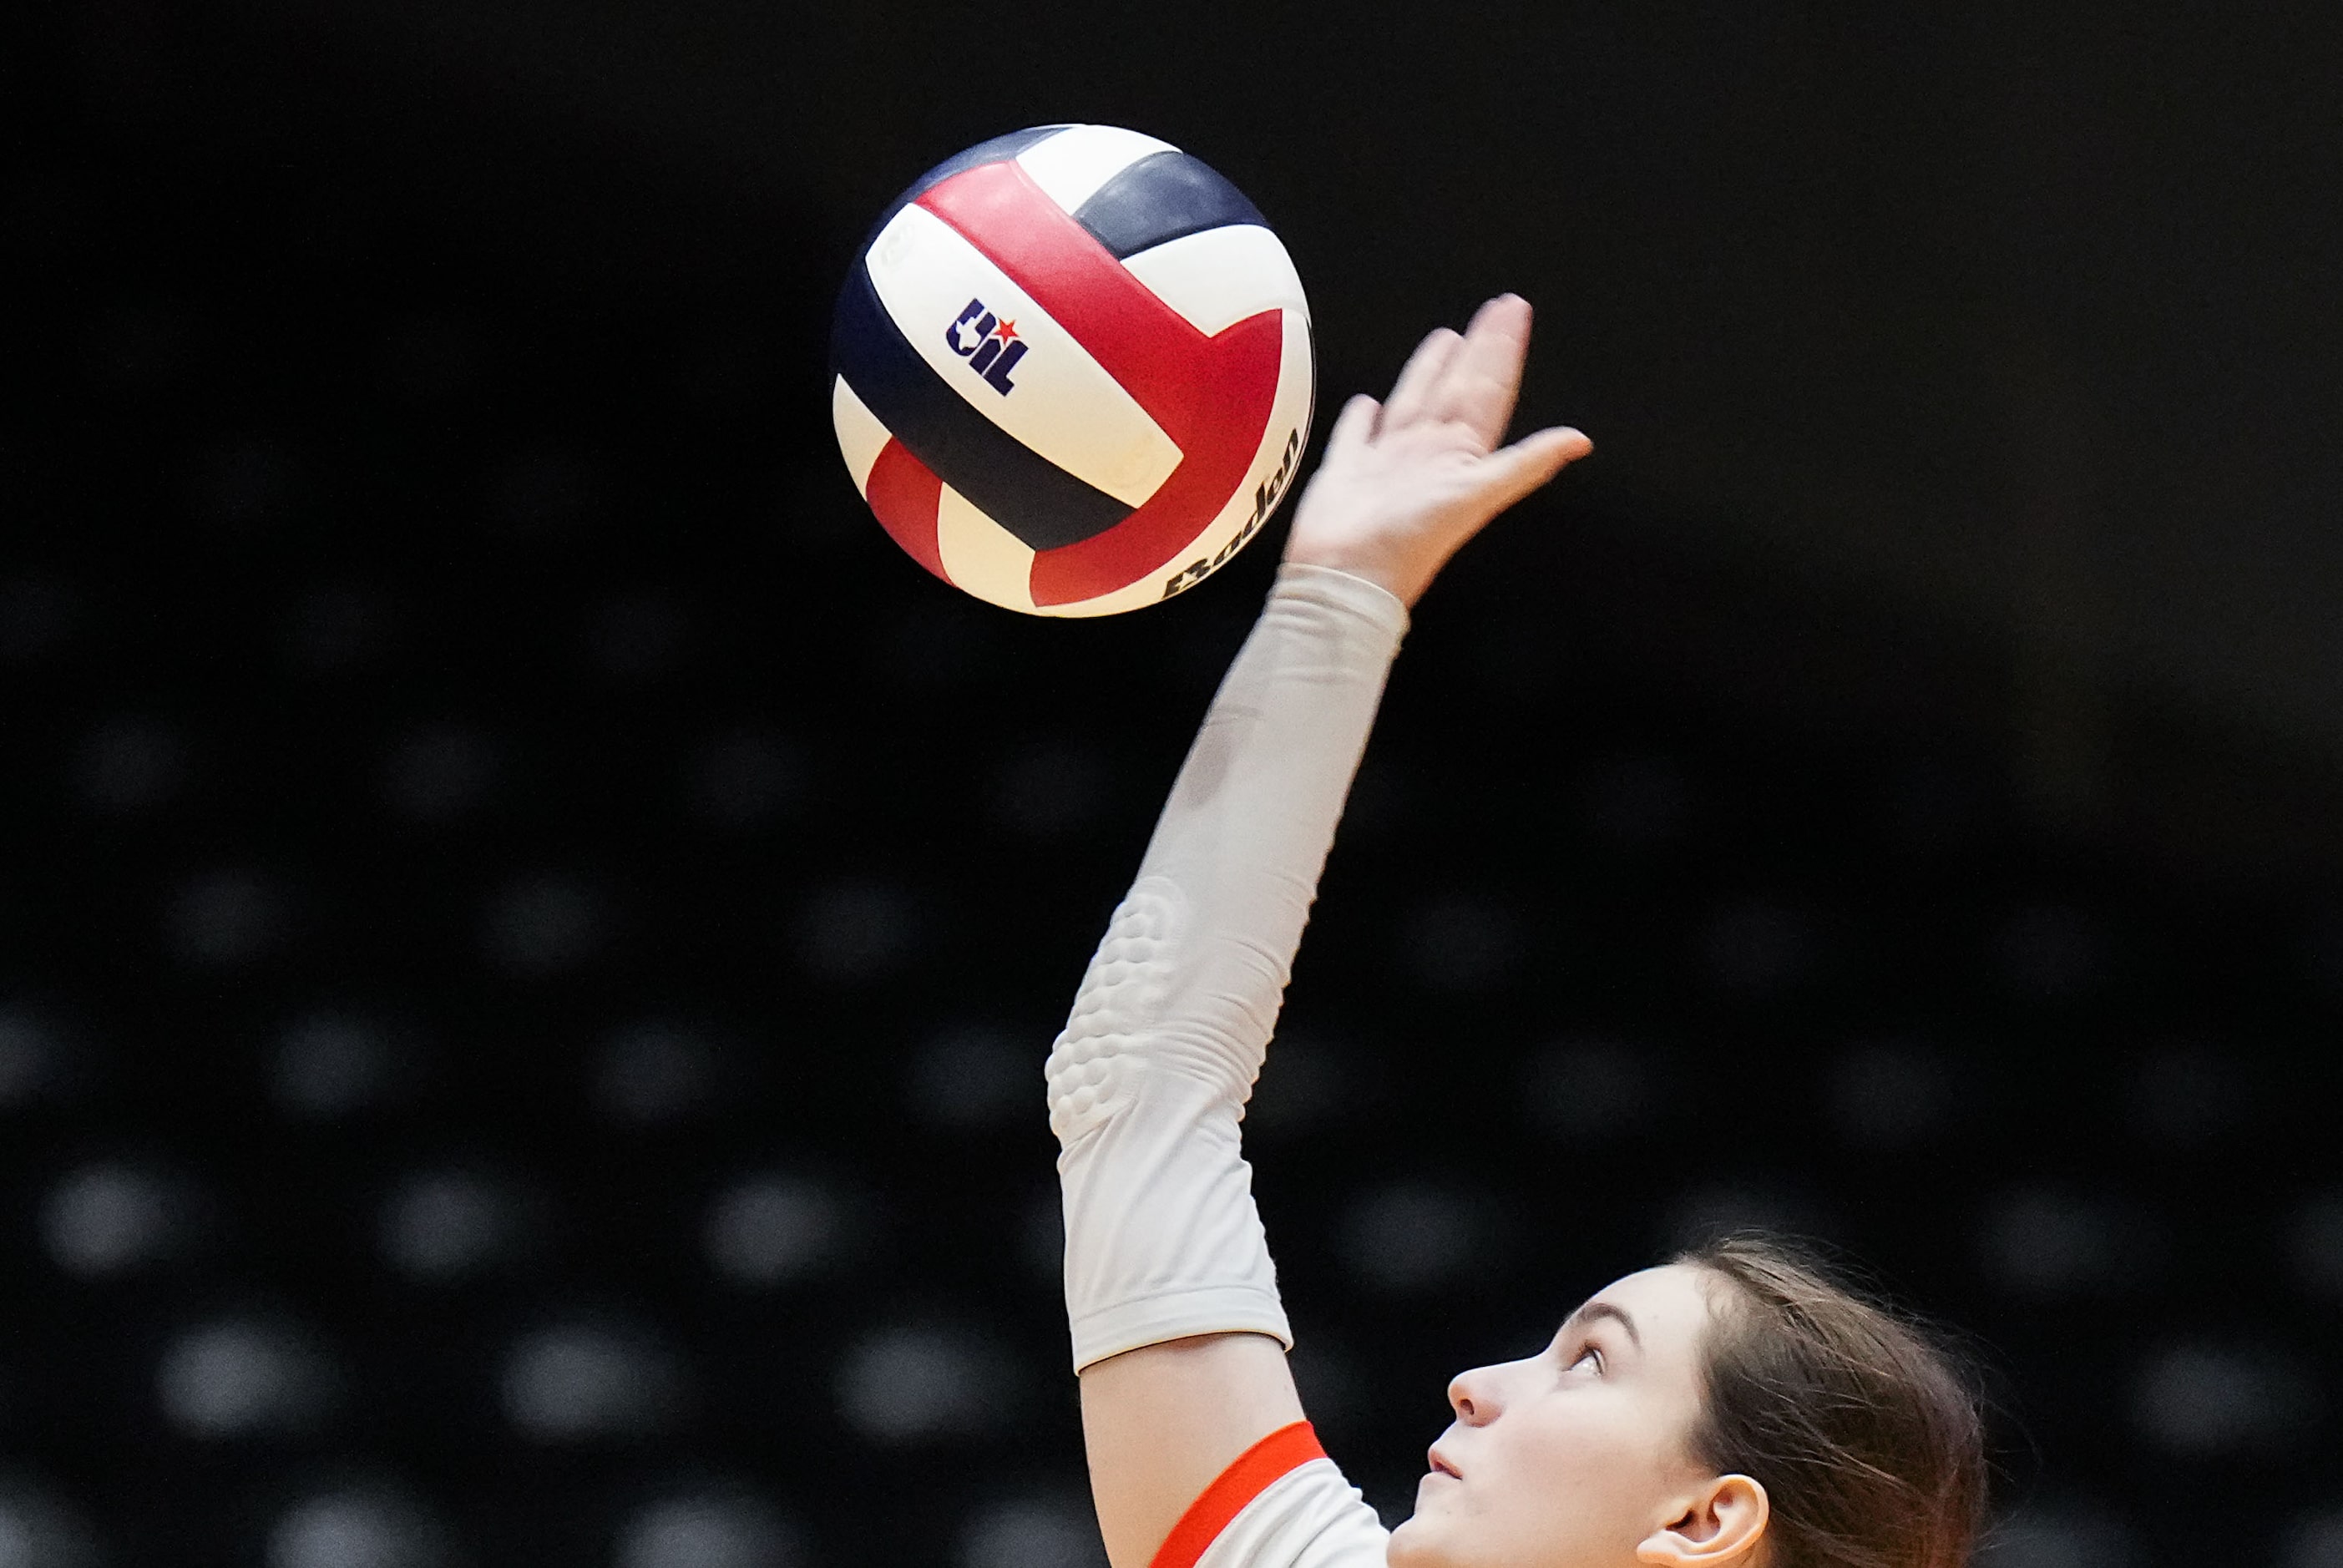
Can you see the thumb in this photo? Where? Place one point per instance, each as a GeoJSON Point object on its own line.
{"type": "Point", "coordinates": [1523, 468]}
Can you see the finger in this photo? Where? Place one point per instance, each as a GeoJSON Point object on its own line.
{"type": "Point", "coordinates": [1354, 425]}
{"type": "Point", "coordinates": [1482, 378]}
{"type": "Point", "coordinates": [1418, 376]}
{"type": "Point", "coordinates": [1523, 468]}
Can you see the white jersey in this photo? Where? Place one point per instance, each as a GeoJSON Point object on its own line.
{"type": "Point", "coordinates": [1283, 1504]}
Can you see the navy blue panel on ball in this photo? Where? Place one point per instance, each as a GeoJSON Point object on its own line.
{"type": "Point", "coordinates": [1016, 486]}
{"type": "Point", "coordinates": [1162, 196]}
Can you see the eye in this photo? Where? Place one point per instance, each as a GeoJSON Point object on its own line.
{"type": "Point", "coordinates": [1588, 1356]}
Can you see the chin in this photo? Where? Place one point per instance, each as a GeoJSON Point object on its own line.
{"type": "Point", "coordinates": [1414, 1544]}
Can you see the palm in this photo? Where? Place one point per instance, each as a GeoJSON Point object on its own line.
{"type": "Point", "coordinates": [1404, 485]}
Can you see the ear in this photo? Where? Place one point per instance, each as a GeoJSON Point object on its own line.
{"type": "Point", "coordinates": [1719, 1526]}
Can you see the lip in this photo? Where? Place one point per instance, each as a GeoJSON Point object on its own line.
{"type": "Point", "coordinates": [1442, 1465]}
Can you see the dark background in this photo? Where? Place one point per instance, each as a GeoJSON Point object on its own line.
{"type": "Point", "coordinates": [528, 929]}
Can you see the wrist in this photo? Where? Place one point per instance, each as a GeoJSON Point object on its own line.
{"type": "Point", "coordinates": [1394, 578]}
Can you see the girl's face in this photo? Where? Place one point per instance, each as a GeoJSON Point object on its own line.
{"type": "Point", "coordinates": [1574, 1457]}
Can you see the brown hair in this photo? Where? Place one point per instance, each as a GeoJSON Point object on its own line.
{"type": "Point", "coordinates": [1865, 1431]}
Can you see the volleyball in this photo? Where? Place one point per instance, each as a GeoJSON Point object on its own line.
{"type": "Point", "coordinates": [1071, 370]}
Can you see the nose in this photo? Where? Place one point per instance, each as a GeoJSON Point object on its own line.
{"type": "Point", "coordinates": [1474, 1396]}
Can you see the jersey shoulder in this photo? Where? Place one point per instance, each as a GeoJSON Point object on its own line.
{"type": "Point", "coordinates": [1283, 1504]}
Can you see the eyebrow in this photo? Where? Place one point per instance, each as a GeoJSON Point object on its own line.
{"type": "Point", "coordinates": [1594, 1309]}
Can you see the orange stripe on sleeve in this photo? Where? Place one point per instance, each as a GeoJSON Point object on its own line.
{"type": "Point", "coordinates": [1251, 1473]}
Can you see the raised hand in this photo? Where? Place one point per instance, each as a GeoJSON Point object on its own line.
{"type": "Point", "coordinates": [1404, 483]}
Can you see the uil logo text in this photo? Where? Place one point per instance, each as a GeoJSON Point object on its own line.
{"type": "Point", "coordinates": [1264, 501]}
{"type": "Point", "coordinates": [994, 350]}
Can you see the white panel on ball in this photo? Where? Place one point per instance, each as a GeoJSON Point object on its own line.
{"type": "Point", "coordinates": [981, 557]}
{"type": "Point", "coordinates": [1066, 408]}
{"type": "Point", "coordinates": [1219, 276]}
{"type": "Point", "coordinates": [1071, 166]}
{"type": "Point", "coordinates": [861, 437]}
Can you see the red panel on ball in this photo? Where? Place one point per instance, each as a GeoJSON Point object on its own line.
{"type": "Point", "coordinates": [1210, 394]}
{"type": "Point", "coordinates": [903, 495]}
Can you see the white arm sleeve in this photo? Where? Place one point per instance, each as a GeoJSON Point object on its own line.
{"type": "Point", "coordinates": [1150, 1079]}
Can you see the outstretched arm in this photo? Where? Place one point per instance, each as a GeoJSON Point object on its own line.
{"type": "Point", "coordinates": [1178, 1330]}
